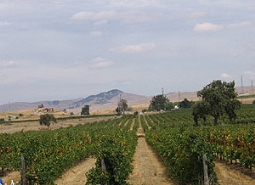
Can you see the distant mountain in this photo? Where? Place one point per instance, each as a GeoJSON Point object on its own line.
{"type": "Point", "coordinates": [99, 99]}
{"type": "Point", "coordinates": [103, 100]}
{"type": "Point", "coordinates": [106, 101]}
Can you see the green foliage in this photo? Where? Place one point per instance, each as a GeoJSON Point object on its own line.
{"type": "Point", "coordinates": [185, 104]}
{"type": "Point", "coordinates": [169, 105]}
{"type": "Point", "coordinates": [182, 149]}
{"type": "Point", "coordinates": [49, 153]}
{"type": "Point", "coordinates": [47, 119]}
{"type": "Point", "coordinates": [85, 110]}
{"type": "Point", "coordinates": [218, 98]}
{"type": "Point", "coordinates": [114, 157]}
{"type": "Point", "coordinates": [200, 110]}
{"type": "Point", "coordinates": [159, 103]}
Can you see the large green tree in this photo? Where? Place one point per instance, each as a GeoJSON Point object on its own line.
{"type": "Point", "coordinates": [218, 98]}
{"type": "Point", "coordinates": [47, 119]}
{"type": "Point", "coordinates": [159, 102]}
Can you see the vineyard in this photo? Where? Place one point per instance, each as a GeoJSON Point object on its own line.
{"type": "Point", "coordinates": [180, 145]}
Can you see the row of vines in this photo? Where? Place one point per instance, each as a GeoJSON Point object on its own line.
{"type": "Point", "coordinates": [172, 135]}
{"type": "Point", "coordinates": [182, 146]}
{"type": "Point", "coordinates": [49, 153]}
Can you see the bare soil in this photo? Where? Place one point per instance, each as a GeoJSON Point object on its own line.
{"type": "Point", "coordinates": [148, 170]}
{"type": "Point", "coordinates": [77, 174]}
{"type": "Point", "coordinates": [34, 125]}
{"type": "Point", "coordinates": [15, 176]}
{"type": "Point", "coordinates": [231, 174]}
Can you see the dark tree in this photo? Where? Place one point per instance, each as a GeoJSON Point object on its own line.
{"type": "Point", "coordinates": [158, 103]}
{"type": "Point", "coordinates": [200, 110]}
{"type": "Point", "coordinates": [40, 106]}
{"type": "Point", "coordinates": [85, 110]}
{"type": "Point", "coordinates": [219, 98]}
{"type": "Point", "coordinates": [47, 119]}
{"type": "Point", "coordinates": [122, 106]}
{"type": "Point", "coordinates": [185, 104]}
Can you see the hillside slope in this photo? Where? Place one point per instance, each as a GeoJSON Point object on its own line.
{"type": "Point", "coordinates": [107, 101]}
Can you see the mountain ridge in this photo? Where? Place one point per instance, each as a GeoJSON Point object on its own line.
{"type": "Point", "coordinates": [105, 100]}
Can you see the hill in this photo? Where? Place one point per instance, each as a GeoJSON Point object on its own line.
{"type": "Point", "coordinates": [102, 101]}
{"type": "Point", "coordinates": [107, 101]}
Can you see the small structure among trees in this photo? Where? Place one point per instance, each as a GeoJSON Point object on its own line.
{"type": "Point", "coordinates": [218, 98]}
{"type": "Point", "coordinates": [85, 110]}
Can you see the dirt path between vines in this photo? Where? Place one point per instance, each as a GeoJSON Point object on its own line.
{"type": "Point", "coordinates": [148, 170]}
{"type": "Point", "coordinates": [77, 174]}
{"type": "Point", "coordinates": [228, 175]}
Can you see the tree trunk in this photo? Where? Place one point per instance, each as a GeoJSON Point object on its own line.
{"type": "Point", "coordinates": [215, 121]}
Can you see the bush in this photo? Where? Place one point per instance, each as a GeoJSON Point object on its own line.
{"type": "Point", "coordinates": [1, 120]}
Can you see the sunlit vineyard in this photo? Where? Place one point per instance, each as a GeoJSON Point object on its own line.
{"type": "Point", "coordinates": [49, 153]}
{"type": "Point", "coordinates": [183, 145]}
{"type": "Point", "coordinates": [172, 135]}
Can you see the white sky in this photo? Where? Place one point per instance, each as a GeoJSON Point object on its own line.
{"type": "Point", "coordinates": [64, 49]}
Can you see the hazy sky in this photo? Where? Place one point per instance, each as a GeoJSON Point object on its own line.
{"type": "Point", "coordinates": [64, 49]}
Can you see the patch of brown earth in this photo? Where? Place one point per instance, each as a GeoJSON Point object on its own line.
{"type": "Point", "coordinates": [148, 170]}
{"type": "Point", "coordinates": [77, 174]}
{"type": "Point", "coordinates": [227, 175]}
{"type": "Point", "coordinates": [15, 176]}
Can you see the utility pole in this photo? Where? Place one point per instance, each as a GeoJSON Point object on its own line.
{"type": "Point", "coordinates": [242, 89]}
{"type": "Point", "coordinates": [252, 87]}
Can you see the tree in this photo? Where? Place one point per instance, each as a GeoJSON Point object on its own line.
{"type": "Point", "coordinates": [40, 106]}
{"type": "Point", "coordinates": [85, 110]}
{"type": "Point", "coordinates": [122, 106]}
{"type": "Point", "coordinates": [169, 105]}
{"type": "Point", "coordinates": [200, 110]}
{"type": "Point", "coordinates": [47, 119]}
{"type": "Point", "coordinates": [158, 102]}
{"type": "Point", "coordinates": [185, 104]}
{"type": "Point", "coordinates": [218, 98]}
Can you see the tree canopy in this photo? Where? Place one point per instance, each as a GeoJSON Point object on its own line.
{"type": "Point", "coordinates": [85, 110]}
{"type": "Point", "coordinates": [159, 102]}
{"type": "Point", "coordinates": [185, 104]}
{"type": "Point", "coordinates": [218, 98]}
{"type": "Point", "coordinates": [122, 106]}
{"type": "Point", "coordinates": [47, 119]}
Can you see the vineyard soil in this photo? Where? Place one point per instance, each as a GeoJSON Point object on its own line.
{"type": "Point", "coordinates": [227, 175]}
{"type": "Point", "coordinates": [15, 176]}
{"type": "Point", "coordinates": [147, 168]}
{"type": "Point", "coordinates": [34, 125]}
{"type": "Point", "coordinates": [76, 175]}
